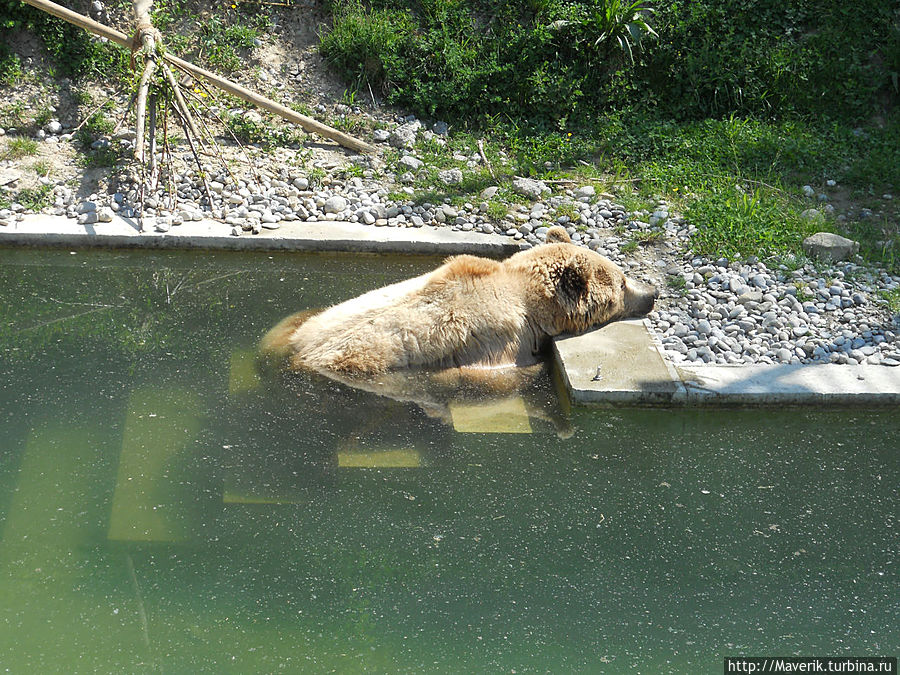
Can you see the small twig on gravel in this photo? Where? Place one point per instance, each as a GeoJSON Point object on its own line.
{"type": "Point", "coordinates": [96, 110]}
{"type": "Point", "coordinates": [485, 159]}
{"type": "Point", "coordinates": [124, 116]}
{"type": "Point", "coordinates": [232, 134]}
{"type": "Point", "coordinates": [219, 153]}
{"type": "Point", "coordinates": [200, 171]}
{"type": "Point", "coordinates": [153, 167]}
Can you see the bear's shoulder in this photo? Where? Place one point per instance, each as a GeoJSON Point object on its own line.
{"type": "Point", "coordinates": [465, 267]}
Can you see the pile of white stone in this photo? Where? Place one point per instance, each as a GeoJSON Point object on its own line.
{"type": "Point", "coordinates": [734, 313]}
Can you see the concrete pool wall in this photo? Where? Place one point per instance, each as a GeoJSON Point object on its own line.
{"type": "Point", "coordinates": [619, 364]}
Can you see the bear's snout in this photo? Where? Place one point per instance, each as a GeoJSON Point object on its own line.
{"type": "Point", "coordinates": [639, 298]}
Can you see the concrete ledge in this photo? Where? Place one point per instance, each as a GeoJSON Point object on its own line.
{"type": "Point", "coordinates": [791, 384]}
{"type": "Point", "coordinates": [617, 364]}
{"type": "Point", "coordinates": [632, 371]}
{"type": "Point", "coordinates": [43, 230]}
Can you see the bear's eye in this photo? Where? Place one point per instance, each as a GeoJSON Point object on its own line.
{"type": "Point", "coordinates": [623, 284]}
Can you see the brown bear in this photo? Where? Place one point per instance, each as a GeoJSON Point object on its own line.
{"type": "Point", "coordinates": [471, 313]}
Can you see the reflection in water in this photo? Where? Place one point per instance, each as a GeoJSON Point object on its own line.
{"type": "Point", "coordinates": [165, 508]}
{"type": "Point", "coordinates": [488, 401]}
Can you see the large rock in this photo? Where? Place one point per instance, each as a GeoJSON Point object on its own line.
{"type": "Point", "coordinates": [411, 163]}
{"type": "Point", "coordinates": [335, 204]}
{"type": "Point", "coordinates": [451, 176]}
{"type": "Point", "coordinates": [9, 176]}
{"type": "Point", "coordinates": [814, 215]}
{"type": "Point", "coordinates": [404, 136]}
{"type": "Point", "coordinates": [534, 189]}
{"type": "Point", "coordinates": [829, 247]}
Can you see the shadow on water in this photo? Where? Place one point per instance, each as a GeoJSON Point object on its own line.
{"type": "Point", "coordinates": [166, 508]}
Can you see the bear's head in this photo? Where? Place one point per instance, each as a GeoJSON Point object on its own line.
{"type": "Point", "coordinates": [586, 289]}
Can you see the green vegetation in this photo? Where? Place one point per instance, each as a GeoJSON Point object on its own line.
{"type": "Point", "coordinates": [34, 199]}
{"type": "Point", "coordinates": [220, 38]}
{"type": "Point", "coordinates": [568, 210]}
{"type": "Point", "coordinates": [647, 237]}
{"type": "Point", "coordinates": [496, 210]}
{"type": "Point", "coordinates": [893, 300]}
{"type": "Point", "coordinates": [251, 129]}
{"type": "Point", "coordinates": [12, 115]}
{"type": "Point", "coordinates": [75, 53]}
{"type": "Point", "coordinates": [556, 62]}
{"type": "Point", "coordinates": [97, 125]}
{"type": "Point", "coordinates": [101, 157]}
{"type": "Point", "coordinates": [41, 168]}
{"type": "Point", "coordinates": [10, 67]}
{"type": "Point", "coordinates": [19, 147]}
{"type": "Point", "coordinates": [676, 283]}
{"type": "Point", "coordinates": [222, 43]}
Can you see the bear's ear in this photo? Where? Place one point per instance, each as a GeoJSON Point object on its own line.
{"type": "Point", "coordinates": [585, 293]}
{"type": "Point", "coordinates": [557, 235]}
{"type": "Point", "coordinates": [572, 284]}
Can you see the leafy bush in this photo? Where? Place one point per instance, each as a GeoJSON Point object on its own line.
{"type": "Point", "coordinates": [364, 44]}
{"type": "Point", "coordinates": [558, 63]}
{"type": "Point", "coordinates": [464, 61]}
{"type": "Point", "coordinates": [769, 57]}
{"type": "Point", "coordinates": [10, 67]}
{"type": "Point", "coordinates": [75, 52]}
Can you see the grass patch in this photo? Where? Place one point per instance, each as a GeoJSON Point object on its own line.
{"type": "Point", "coordinates": [893, 300]}
{"type": "Point", "coordinates": [569, 210]}
{"type": "Point", "coordinates": [96, 126]}
{"type": "Point", "coordinates": [497, 211]}
{"type": "Point", "coordinates": [223, 43]}
{"type": "Point", "coordinates": [11, 72]}
{"type": "Point", "coordinates": [676, 283]}
{"type": "Point", "coordinates": [12, 116]}
{"type": "Point", "coordinates": [41, 168]}
{"type": "Point", "coordinates": [100, 158]}
{"type": "Point", "coordinates": [35, 199]}
{"type": "Point", "coordinates": [648, 237]}
{"type": "Point", "coordinates": [19, 147]}
{"type": "Point", "coordinates": [248, 130]}
{"type": "Point", "coordinates": [733, 223]}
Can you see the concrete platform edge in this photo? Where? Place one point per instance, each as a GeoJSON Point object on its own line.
{"type": "Point", "coordinates": [820, 385]}
{"type": "Point", "coordinates": [56, 231]}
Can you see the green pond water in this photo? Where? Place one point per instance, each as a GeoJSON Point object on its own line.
{"type": "Point", "coordinates": [165, 508]}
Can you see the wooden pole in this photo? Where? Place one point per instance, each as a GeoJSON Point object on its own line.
{"type": "Point", "coordinates": [307, 123]}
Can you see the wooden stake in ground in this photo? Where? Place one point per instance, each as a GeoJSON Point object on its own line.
{"type": "Point", "coordinates": [146, 36]}
{"type": "Point", "coordinates": [307, 123]}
